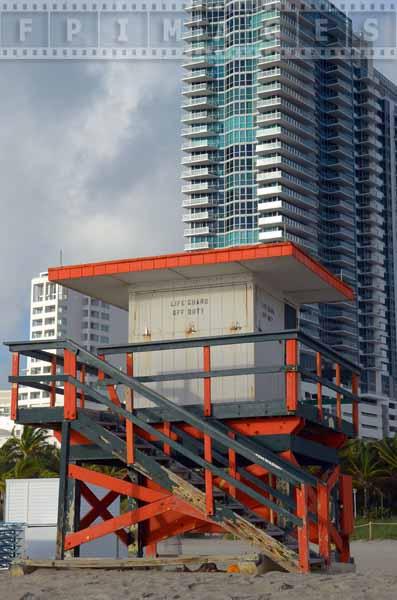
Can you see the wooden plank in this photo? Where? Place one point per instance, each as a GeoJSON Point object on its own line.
{"type": "Point", "coordinates": [21, 567]}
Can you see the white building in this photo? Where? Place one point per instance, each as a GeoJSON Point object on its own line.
{"type": "Point", "coordinates": [56, 312]}
{"type": "Point", "coordinates": [6, 424]}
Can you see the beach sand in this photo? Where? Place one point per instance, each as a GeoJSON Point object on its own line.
{"type": "Point", "coordinates": [375, 579]}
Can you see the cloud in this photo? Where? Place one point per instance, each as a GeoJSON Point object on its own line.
{"type": "Point", "coordinates": [90, 164]}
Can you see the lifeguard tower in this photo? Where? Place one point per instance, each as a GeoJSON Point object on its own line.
{"type": "Point", "coordinates": [225, 415]}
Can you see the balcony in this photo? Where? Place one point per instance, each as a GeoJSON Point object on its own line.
{"type": "Point", "coordinates": [197, 90]}
{"type": "Point", "coordinates": [201, 131]}
{"type": "Point", "coordinates": [197, 246]}
{"type": "Point", "coordinates": [197, 231]}
{"type": "Point", "coordinates": [205, 144]}
{"type": "Point", "coordinates": [198, 76]}
{"type": "Point", "coordinates": [198, 188]}
{"type": "Point", "coordinates": [204, 173]}
{"type": "Point", "coordinates": [201, 103]}
{"type": "Point", "coordinates": [201, 216]}
{"type": "Point", "coordinates": [198, 202]}
{"type": "Point", "coordinates": [199, 159]}
{"type": "Point", "coordinates": [201, 116]}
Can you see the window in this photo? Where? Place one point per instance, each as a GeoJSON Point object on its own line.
{"type": "Point", "coordinates": [46, 369]}
{"type": "Point", "coordinates": [104, 327]}
{"type": "Point", "coordinates": [104, 339]}
{"type": "Point", "coordinates": [50, 308]}
{"type": "Point", "coordinates": [37, 310]}
{"type": "Point", "coordinates": [37, 322]}
{"type": "Point", "coordinates": [95, 314]}
{"type": "Point", "coordinates": [35, 371]}
{"type": "Point", "coordinates": [49, 333]}
{"type": "Point", "coordinates": [51, 291]}
{"type": "Point", "coordinates": [36, 335]}
{"type": "Point", "coordinates": [34, 395]}
{"type": "Point", "coordinates": [49, 321]}
{"type": "Point", "coordinates": [94, 302]}
{"type": "Point", "coordinates": [93, 337]}
{"type": "Point", "coordinates": [38, 292]}
{"type": "Point", "coordinates": [94, 325]}
{"type": "Point", "coordinates": [86, 301]}
{"type": "Point", "coordinates": [105, 316]}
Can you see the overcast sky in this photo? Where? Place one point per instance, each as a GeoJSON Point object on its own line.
{"type": "Point", "coordinates": [89, 164]}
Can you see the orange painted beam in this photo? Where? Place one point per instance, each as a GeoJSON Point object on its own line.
{"type": "Point", "coordinates": [101, 511]}
{"type": "Point", "coordinates": [204, 257]}
{"type": "Point", "coordinates": [303, 531]}
{"type": "Point", "coordinates": [70, 391]}
{"type": "Point", "coordinates": [123, 488]}
{"type": "Point", "coordinates": [324, 535]}
{"type": "Point", "coordinates": [15, 362]}
{"type": "Point", "coordinates": [110, 526]}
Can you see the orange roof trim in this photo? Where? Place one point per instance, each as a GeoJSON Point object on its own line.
{"type": "Point", "coordinates": [204, 257]}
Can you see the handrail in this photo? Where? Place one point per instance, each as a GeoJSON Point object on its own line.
{"type": "Point", "coordinates": [236, 338]}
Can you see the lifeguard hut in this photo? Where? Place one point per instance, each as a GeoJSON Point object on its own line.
{"type": "Point", "coordinates": [225, 415]}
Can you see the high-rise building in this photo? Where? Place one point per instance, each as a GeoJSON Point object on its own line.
{"type": "Point", "coordinates": [60, 313]}
{"type": "Point", "coordinates": [281, 143]}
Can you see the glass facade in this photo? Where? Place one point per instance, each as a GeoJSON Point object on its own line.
{"type": "Point", "coordinates": [282, 145]}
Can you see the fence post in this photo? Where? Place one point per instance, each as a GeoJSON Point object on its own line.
{"type": "Point", "coordinates": [15, 386]}
{"type": "Point", "coordinates": [291, 376]}
{"type": "Point", "coordinates": [209, 491]}
{"type": "Point", "coordinates": [370, 531]}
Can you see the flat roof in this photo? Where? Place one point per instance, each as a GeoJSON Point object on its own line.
{"type": "Point", "coordinates": [287, 268]}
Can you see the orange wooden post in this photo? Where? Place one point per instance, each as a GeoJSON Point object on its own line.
{"type": "Point", "coordinates": [209, 488]}
{"type": "Point", "coordinates": [14, 386]}
{"type": "Point", "coordinates": [324, 540]}
{"type": "Point", "coordinates": [232, 465]}
{"type": "Point", "coordinates": [82, 379]}
{"type": "Point", "coordinates": [291, 376]}
{"type": "Point", "coordinates": [167, 432]}
{"type": "Point", "coordinates": [53, 383]}
{"type": "Point", "coordinates": [346, 514]}
{"type": "Point", "coordinates": [338, 395]}
{"type": "Point", "coordinates": [319, 372]}
{"type": "Point", "coordinates": [302, 495]}
{"type": "Point", "coordinates": [129, 400]}
{"type": "Point", "coordinates": [101, 374]}
{"type": "Point", "coordinates": [273, 483]}
{"type": "Point", "coordinates": [355, 413]}
{"type": "Point", "coordinates": [70, 398]}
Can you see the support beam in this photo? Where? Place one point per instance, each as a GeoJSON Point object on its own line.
{"type": "Point", "coordinates": [15, 386]}
{"type": "Point", "coordinates": [302, 496]}
{"type": "Point", "coordinates": [292, 375]}
{"type": "Point", "coordinates": [101, 511]}
{"type": "Point", "coordinates": [324, 540]}
{"type": "Point", "coordinates": [63, 492]}
{"type": "Point", "coordinates": [124, 488]}
{"type": "Point", "coordinates": [70, 394]}
{"type": "Point", "coordinates": [117, 523]}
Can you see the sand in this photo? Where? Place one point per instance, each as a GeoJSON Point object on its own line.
{"type": "Point", "coordinates": [375, 579]}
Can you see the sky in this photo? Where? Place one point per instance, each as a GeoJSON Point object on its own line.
{"type": "Point", "coordinates": [89, 165]}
